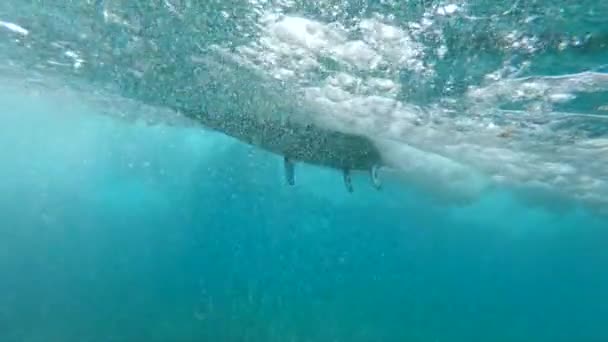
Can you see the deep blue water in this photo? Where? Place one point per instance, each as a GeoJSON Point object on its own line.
{"type": "Point", "coordinates": [115, 230]}
{"type": "Point", "coordinates": [219, 249]}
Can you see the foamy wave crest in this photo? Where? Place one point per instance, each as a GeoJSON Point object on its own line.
{"type": "Point", "coordinates": [352, 68]}
{"type": "Point", "coordinates": [463, 150]}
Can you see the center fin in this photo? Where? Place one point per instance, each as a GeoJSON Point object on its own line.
{"type": "Point", "coordinates": [347, 180]}
{"type": "Point", "coordinates": [290, 173]}
{"type": "Point", "coordinates": [373, 172]}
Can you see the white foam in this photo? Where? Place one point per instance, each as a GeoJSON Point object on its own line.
{"type": "Point", "coordinates": [461, 155]}
{"type": "Point", "coordinates": [348, 76]}
{"type": "Point", "coordinates": [393, 43]}
{"type": "Point", "coordinates": [546, 88]}
{"type": "Point", "coordinates": [302, 44]}
{"type": "Point", "coordinates": [443, 177]}
{"type": "Point", "coordinates": [308, 34]}
{"type": "Point", "coordinates": [14, 27]}
{"type": "Point", "coordinates": [447, 9]}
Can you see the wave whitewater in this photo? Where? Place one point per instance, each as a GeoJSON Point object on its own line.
{"type": "Point", "coordinates": [455, 130]}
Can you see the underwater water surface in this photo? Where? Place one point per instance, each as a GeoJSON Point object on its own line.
{"type": "Point", "coordinates": [122, 219]}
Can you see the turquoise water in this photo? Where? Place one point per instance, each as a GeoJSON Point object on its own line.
{"type": "Point", "coordinates": [125, 219]}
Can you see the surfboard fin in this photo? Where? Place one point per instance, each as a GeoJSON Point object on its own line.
{"type": "Point", "coordinates": [348, 182]}
{"type": "Point", "coordinates": [290, 172]}
{"type": "Point", "coordinates": [373, 172]}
